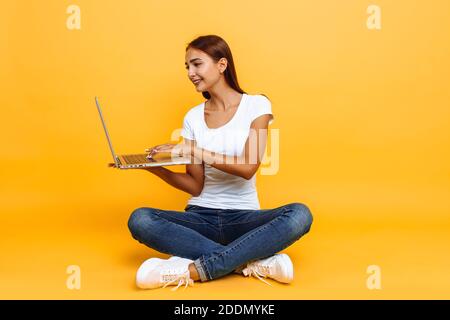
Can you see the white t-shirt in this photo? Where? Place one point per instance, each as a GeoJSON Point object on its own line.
{"type": "Point", "coordinates": [223, 190]}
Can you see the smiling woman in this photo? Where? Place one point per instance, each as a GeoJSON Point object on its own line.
{"type": "Point", "coordinates": [207, 239]}
{"type": "Point", "coordinates": [208, 60]}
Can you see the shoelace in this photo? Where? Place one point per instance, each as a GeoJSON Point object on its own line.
{"type": "Point", "coordinates": [257, 271]}
{"type": "Point", "coordinates": [171, 276]}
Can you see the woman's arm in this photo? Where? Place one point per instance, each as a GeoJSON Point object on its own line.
{"type": "Point", "coordinates": [191, 182]}
{"type": "Point", "coordinates": [246, 165]}
{"type": "Point", "coordinates": [179, 180]}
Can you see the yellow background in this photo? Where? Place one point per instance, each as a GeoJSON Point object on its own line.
{"type": "Point", "coordinates": [364, 140]}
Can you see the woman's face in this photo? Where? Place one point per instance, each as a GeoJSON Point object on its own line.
{"type": "Point", "coordinates": [202, 70]}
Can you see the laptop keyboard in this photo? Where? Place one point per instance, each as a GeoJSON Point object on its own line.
{"type": "Point", "coordinates": [136, 158]}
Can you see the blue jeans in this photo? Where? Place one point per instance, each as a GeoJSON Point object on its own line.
{"type": "Point", "coordinates": [220, 240]}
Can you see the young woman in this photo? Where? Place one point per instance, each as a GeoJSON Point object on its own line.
{"type": "Point", "coordinates": [222, 229]}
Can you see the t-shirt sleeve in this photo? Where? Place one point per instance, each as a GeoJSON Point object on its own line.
{"type": "Point", "coordinates": [187, 131]}
{"type": "Point", "coordinates": [262, 106]}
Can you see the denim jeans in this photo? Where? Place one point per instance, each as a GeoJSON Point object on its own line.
{"type": "Point", "coordinates": [220, 240]}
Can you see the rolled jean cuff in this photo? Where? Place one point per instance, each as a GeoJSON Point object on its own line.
{"type": "Point", "coordinates": [201, 271]}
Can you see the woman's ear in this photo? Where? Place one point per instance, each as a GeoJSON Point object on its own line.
{"type": "Point", "coordinates": [223, 63]}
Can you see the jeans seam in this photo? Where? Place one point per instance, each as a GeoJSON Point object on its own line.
{"type": "Point", "coordinates": [221, 235]}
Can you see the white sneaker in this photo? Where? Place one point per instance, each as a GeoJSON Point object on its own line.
{"type": "Point", "coordinates": [278, 267]}
{"type": "Point", "coordinates": [156, 273]}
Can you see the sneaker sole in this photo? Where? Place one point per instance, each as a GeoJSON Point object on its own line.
{"type": "Point", "coordinates": [286, 267]}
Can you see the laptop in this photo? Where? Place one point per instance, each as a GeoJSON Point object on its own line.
{"type": "Point", "coordinates": [136, 161]}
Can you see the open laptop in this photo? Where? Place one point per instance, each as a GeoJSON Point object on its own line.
{"type": "Point", "coordinates": [135, 161]}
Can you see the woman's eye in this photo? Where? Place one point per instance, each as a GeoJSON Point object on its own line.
{"type": "Point", "coordinates": [194, 65]}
